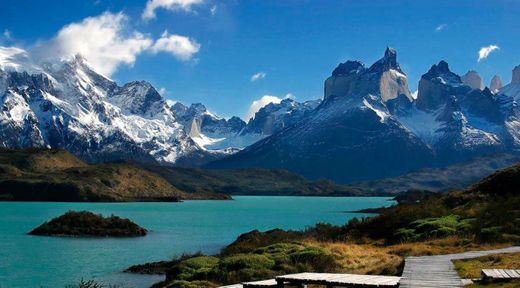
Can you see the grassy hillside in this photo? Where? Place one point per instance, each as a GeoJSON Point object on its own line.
{"type": "Point", "coordinates": [487, 211]}
{"type": "Point", "coordinates": [56, 175]}
{"type": "Point", "coordinates": [481, 217]}
{"type": "Point", "coordinates": [251, 182]}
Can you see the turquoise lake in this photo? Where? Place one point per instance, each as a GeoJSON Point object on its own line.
{"type": "Point", "coordinates": [175, 228]}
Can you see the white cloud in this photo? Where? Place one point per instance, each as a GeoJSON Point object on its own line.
{"type": "Point", "coordinates": [171, 102]}
{"type": "Point", "coordinates": [290, 96]}
{"type": "Point", "coordinates": [258, 76]}
{"type": "Point", "coordinates": [484, 52]}
{"type": "Point", "coordinates": [441, 27]}
{"type": "Point", "coordinates": [103, 40]}
{"type": "Point", "coordinates": [162, 91]}
{"type": "Point", "coordinates": [7, 34]}
{"type": "Point", "coordinates": [152, 5]}
{"type": "Point", "coordinates": [258, 104]}
{"type": "Point", "coordinates": [213, 10]}
{"type": "Point", "coordinates": [181, 47]}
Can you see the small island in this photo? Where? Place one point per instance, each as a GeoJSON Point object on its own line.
{"type": "Point", "coordinates": [88, 224]}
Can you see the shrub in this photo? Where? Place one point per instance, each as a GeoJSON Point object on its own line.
{"type": "Point", "coordinates": [195, 268]}
{"type": "Point", "coordinates": [245, 261]}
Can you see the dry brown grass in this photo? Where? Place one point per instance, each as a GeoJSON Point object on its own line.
{"type": "Point", "coordinates": [470, 268]}
{"type": "Point", "coordinates": [363, 258]}
{"type": "Point", "coordinates": [375, 258]}
{"type": "Point", "coordinates": [447, 245]}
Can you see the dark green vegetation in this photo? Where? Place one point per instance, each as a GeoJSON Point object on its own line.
{"type": "Point", "coordinates": [85, 223]}
{"type": "Point", "coordinates": [251, 181]}
{"type": "Point", "coordinates": [454, 177]}
{"type": "Point", "coordinates": [483, 216]}
{"type": "Point", "coordinates": [259, 263]}
{"type": "Point", "coordinates": [257, 181]}
{"type": "Point", "coordinates": [56, 175]}
{"type": "Point", "coordinates": [487, 211]}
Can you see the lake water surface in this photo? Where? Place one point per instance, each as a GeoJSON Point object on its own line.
{"type": "Point", "coordinates": [175, 228]}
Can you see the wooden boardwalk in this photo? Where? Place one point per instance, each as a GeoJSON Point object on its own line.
{"type": "Point", "coordinates": [439, 271]}
{"type": "Point", "coordinates": [338, 280]}
{"type": "Point", "coordinates": [325, 279]}
{"type": "Point", "coordinates": [419, 272]}
{"type": "Point", "coordinates": [500, 274]}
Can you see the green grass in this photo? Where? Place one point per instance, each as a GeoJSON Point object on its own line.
{"type": "Point", "coordinates": [471, 268]}
{"type": "Point", "coordinates": [435, 227]}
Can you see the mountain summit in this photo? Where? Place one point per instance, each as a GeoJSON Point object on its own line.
{"type": "Point", "coordinates": [368, 125]}
{"type": "Point", "coordinates": [352, 135]}
{"type": "Point", "coordinates": [68, 105]}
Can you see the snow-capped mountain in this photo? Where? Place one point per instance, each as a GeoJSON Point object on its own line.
{"type": "Point", "coordinates": [369, 126]}
{"type": "Point", "coordinates": [352, 134]}
{"type": "Point", "coordinates": [230, 135]}
{"type": "Point", "coordinates": [276, 116]}
{"type": "Point", "coordinates": [208, 130]}
{"type": "Point", "coordinates": [68, 105]}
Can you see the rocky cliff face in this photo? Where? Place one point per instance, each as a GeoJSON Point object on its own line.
{"type": "Point", "coordinates": [229, 135]}
{"type": "Point", "coordinates": [207, 129]}
{"type": "Point", "coordinates": [351, 135]}
{"type": "Point", "coordinates": [496, 84]}
{"type": "Point", "coordinates": [473, 80]}
{"type": "Point", "coordinates": [463, 120]}
{"type": "Point", "coordinates": [384, 78]}
{"type": "Point", "coordinates": [275, 117]}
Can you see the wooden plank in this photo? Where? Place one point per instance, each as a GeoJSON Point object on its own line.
{"type": "Point", "coordinates": [345, 280]}
{"type": "Point", "coordinates": [259, 284]}
{"type": "Point", "coordinates": [500, 273]}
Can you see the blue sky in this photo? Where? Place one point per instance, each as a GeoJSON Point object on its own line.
{"type": "Point", "coordinates": [295, 43]}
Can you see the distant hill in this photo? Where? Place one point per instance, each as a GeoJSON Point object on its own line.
{"type": "Point", "coordinates": [452, 177]}
{"type": "Point", "coordinates": [56, 175]}
{"type": "Point", "coordinates": [252, 181]}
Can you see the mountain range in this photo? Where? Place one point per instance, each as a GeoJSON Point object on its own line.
{"type": "Point", "coordinates": [367, 126]}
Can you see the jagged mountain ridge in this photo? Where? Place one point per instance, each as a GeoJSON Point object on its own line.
{"type": "Point", "coordinates": [68, 105]}
{"type": "Point", "coordinates": [368, 125]}
{"type": "Point", "coordinates": [214, 133]}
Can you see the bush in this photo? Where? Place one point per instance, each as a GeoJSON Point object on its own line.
{"type": "Point", "coordinates": [196, 268]}
{"type": "Point", "coordinates": [314, 259]}
{"type": "Point", "coordinates": [246, 261]}
{"type": "Point", "coordinates": [434, 228]}
{"type": "Point", "coordinates": [491, 234]}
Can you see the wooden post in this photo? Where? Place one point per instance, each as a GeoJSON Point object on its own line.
{"type": "Point", "coordinates": [279, 283]}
